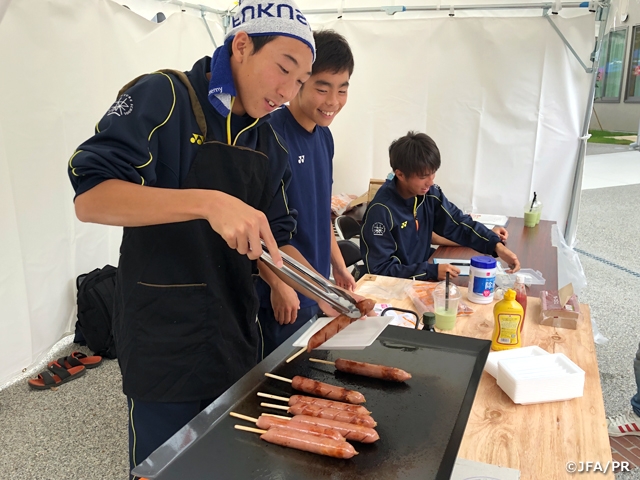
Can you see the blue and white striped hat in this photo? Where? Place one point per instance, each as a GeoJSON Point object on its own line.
{"type": "Point", "coordinates": [272, 18]}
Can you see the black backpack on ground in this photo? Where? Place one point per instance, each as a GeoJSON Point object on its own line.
{"type": "Point", "coordinates": [95, 307]}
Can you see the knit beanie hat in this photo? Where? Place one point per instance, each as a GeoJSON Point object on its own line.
{"type": "Point", "coordinates": [258, 17]}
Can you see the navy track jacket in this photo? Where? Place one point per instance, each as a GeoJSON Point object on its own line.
{"type": "Point", "coordinates": [396, 232]}
{"type": "Point", "coordinates": [127, 144]}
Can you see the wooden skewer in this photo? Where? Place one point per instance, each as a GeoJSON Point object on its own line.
{"type": "Point", "coordinates": [274, 415]}
{"type": "Point", "coordinates": [273, 397]}
{"type": "Point", "coordinates": [277, 377]}
{"type": "Point", "coordinates": [273, 405]}
{"type": "Point", "coordinates": [243, 417]}
{"type": "Point", "coordinates": [297, 354]}
{"type": "Point", "coordinates": [317, 360]}
{"type": "Point", "coordinates": [249, 429]}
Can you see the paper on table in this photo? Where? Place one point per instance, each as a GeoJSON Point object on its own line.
{"type": "Point", "coordinates": [357, 336]}
{"type": "Point", "coordinates": [397, 318]}
{"type": "Point", "coordinates": [487, 219]}
{"type": "Point", "coordinates": [464, 268]}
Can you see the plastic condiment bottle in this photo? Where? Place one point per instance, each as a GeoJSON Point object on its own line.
{"type": "Point", "coordinates": [508, 316]}
{"type": "Point", "coordinates": [521, 295]}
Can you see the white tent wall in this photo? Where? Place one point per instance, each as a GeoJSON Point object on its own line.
{"type": "Point", "coordinates": [503, 98]}
{"type": "Point", "coordinates": [63, 63]}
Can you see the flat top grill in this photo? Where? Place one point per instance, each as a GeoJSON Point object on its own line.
{"type": "Point", "coordinates": [420, 422]}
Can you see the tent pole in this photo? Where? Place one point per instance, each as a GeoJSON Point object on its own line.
{"type": "Point", "coordinates": [565, 41]}
{"type": "Point", "coordinates": [571, 226]}
{"type": "Point", "coordinates": [444, 8]}
{"type": "Point", "coordinates": [206, 25]}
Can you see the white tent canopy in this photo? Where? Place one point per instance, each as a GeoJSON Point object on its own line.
{"type": "Point", "coordinates": [498, 90]}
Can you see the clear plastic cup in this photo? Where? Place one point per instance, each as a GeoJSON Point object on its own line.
{"type": "Point", "coordinates": [445, 308]}
{"type": "Point", "coordinates": [537, 206]}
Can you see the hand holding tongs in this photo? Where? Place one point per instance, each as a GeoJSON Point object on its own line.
{"type": "Point", "coordinates": [315, 286]}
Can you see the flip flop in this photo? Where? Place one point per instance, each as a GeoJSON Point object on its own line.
{"type": "Point", "coordinates": [77, 359]}
{"type": "Point", "coordinates": [57, 376]}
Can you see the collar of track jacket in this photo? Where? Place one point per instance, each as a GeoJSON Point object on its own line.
{"type": "Point", "coordinates": [256, 18]}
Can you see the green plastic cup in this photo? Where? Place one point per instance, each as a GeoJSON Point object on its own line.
{"type": "Point", "coordinates": [530, 218]}
{"type": "Point", "coordinates": [538, 209]}
{"type": "Point", "coordinates": [446, 309]}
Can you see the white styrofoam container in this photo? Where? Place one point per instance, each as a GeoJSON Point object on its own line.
{"type": "Point", "coordinates": [538, 379]}
{"type": "Point", "coordinates": [491, 366]}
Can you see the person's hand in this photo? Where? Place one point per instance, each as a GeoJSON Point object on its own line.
{"type": "Point", "coordinates": [344, 279]}
{"type": "Point", "coordinates": [501, 232]}
{"type": "Point", "coordinates": [508, 256]}
{"type": "Point", "coordinates": [443, 268]}
{"type": "Point", "coordinates": [242, 227]}
{"type": "Point", "coordinates": [285, 304]}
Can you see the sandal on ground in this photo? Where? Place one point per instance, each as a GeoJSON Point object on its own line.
{"type": "Point", "coordinates": [79, 359]}
{"type": "Point", "coordinates": [56, 375]}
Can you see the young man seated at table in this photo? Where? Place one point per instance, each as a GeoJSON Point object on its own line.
{"type": "Point", "coordinates": [399, 223]}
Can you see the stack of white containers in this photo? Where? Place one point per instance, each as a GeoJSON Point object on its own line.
{"type": "Point", "coordinates": [532, 375]}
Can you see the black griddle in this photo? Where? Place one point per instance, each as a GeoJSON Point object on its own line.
{"type": "Point", "coordinates": [420, 422]}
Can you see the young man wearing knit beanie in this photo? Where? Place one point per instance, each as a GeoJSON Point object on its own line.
{"type": "Point", "coordinates": [304, 125]}
{"type": "Point", "coordinates": [189, 166]}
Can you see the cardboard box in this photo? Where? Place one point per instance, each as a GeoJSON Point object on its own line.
{"type": "Point", "coordinates": [374, 186]}
{"type": "Point", "coordinates": [560, 308]}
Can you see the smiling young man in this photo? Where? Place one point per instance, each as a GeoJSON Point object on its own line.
{"type": "Point", "coordinates": [399, 222]}
{"type": "Point", "coordinates": [304, 126]}
{"type": "Point", "coordinates": [189, 166]}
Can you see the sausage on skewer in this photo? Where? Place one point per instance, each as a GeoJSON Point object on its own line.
{"type": "Point", "coordinates": [321, 402]}
{"type": "Point", "coordinates": [309, 443]}
{"type": "Point", "coordinates": [372, 370]}
{"type": "Point", "coordinates": [268, 421]}
{"type": "Point", "coordinates": [304, 441]}
{"type": "Point", "coordinates": [326, 390]}
{"type": "Point", "coordinates": [356, 433]}
{"type": "Point", "coordinates": [330, 413]}
{"type": "Point", "coordinates": [337, 324]}
{"type": "Point", "coordinates": [368, 369]}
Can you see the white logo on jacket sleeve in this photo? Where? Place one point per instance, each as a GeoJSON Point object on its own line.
{"type": "Point", "coordinates": [300, 158]}
{"type": "Point", "coordinates": [123, 106]}
{"type": "Point", "coordinates": [378, 229]}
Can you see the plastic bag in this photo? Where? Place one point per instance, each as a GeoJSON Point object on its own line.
{"type": "Point", "coordinates": [421, 293]}
{"type": "Point", "coordinates": [340, 202]}
{"type": "Point", "coordinates": [570, 271]}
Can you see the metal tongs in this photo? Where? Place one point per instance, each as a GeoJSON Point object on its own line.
{"type": "Point", "coordinates": [315, 286]}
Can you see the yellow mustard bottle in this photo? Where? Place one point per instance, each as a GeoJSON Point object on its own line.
{"type": "Point", "coordinates": [508, 316]}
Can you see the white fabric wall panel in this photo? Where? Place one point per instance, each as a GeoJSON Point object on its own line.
{"type": "Point", "coordinates": [63, 63]}
{"type": "Point", "coordinates": [502, 97]}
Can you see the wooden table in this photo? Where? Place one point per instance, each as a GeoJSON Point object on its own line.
{"type": "Point", "coordinates": [537, 439]}
{"type": "Point", "coordinates": [531, 245]}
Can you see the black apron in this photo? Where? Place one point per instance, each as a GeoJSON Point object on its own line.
{"type": "Point", "coordinates": [185, 308]}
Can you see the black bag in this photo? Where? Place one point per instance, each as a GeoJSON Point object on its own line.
{"type": "Point", "coordinates": [95, 308]}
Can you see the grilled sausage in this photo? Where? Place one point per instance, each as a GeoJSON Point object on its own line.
{"type": "Point", "coordinates": [325, 390]}
{"type": "Point", "coordinates": [331, 413]}
{"type": "Point", "coordinates": [321, 402]}
{"type": "Point", "coordinates": [309, 443]}
{"type": "Point", "coordinates": [355, 433]}
{"type": "Point", "coordinates": [372, 370]}
{"type": "Point", "coordinates": [266, 422]}
{"type": "Point", "coordinates": [329, 330]}
{"type": "Point", "coordinates": [338, 324]}
{"type": "Point", "coordinates": [365, 306]}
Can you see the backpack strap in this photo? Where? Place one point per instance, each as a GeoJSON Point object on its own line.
{"type": "Point", "coordinates": [195, 103]}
